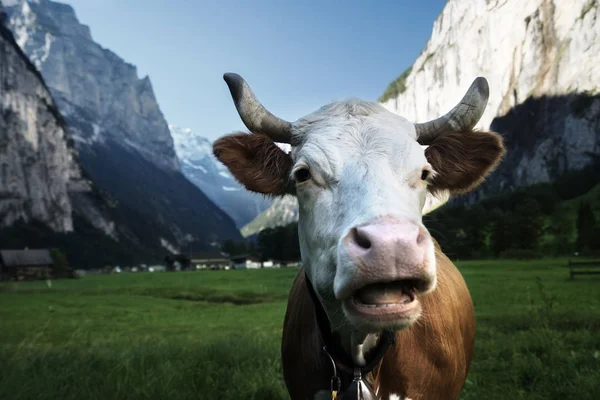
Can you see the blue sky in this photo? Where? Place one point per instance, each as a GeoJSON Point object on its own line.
{"type": "Point", "coordinates": [296, 55]}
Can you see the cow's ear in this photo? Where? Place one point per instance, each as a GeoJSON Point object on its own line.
{"type": "Point", "coordinates": [256, 162]}
{"type": "Point", "coordinates": [463, 160]}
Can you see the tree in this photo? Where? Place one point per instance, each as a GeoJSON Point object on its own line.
{"type": "Point", "coordinates": [232, 248]}
{"type": "Point", "coordinates": [292, 243]}
{"type": "Point", "coordinates": [280, 243]}
{"type": "Point", "coordinates": [499, 237]}
{"type": "Point", "coordinates": [61, 268]}
{"type": "Point", "coordinates": [183, 260]}
{"type": "Point", "coordinates": [444, 225]}
{"type": "Point", "coordinates": [527, 226]}
{"type": "Point", "coordinates": [561, 227]}
{"type": "Point", "coordinates": [476, 230]}
{"type": "Point", "coordinates": [586, 227]}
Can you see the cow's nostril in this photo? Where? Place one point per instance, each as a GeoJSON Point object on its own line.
{"type": "Point", "coordinates": [360, 239]}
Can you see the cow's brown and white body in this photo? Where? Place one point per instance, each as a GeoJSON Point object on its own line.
{"type": "Point", "coordinates": [429, 360]}
{"type": "Point", "coordinates": [364, 177]}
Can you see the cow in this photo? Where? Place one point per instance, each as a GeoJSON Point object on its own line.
{"type": "Point", "coordinates": [377, 310]}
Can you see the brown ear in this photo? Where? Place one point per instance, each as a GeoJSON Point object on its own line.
{"type": "Point", "coordinates": [462, 160]}
{"type": "Point", "coordinates": [255, 161]}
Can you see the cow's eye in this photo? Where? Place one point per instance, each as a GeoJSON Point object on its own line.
{"type": "Point", "coordinates": [302, 175]}
{"type": "Point", "coordinates": [424, 174]}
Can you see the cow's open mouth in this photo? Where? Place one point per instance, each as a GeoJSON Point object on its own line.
{"type": "Point", "coordinates": [394, 303]}
{"type": "Point", "coordinates": [386, 294]}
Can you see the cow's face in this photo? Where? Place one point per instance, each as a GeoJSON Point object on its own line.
{"type": "Point", "coordinates": [362, 179]}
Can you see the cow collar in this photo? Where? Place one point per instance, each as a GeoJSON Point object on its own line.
{"type": "Point", "coordinates": [350, 374]}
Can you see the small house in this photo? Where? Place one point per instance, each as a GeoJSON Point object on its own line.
{"type": "Point", "coordinates": [247, 261]}
{"type": "Point", "coordinates": [210, 260]}
{"type": "Point", "coordinates": [25, 264]}
{"type": "Point", "coordinates": [270, 263]}
{"type": "Point", "coordinates": [157, 268]}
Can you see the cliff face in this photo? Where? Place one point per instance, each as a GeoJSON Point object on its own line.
{"type": "Point", "coordinates": [99, 94]}
{"type": "Point", "coordinates": [540, 58]}
{"type": "Point", "coordinates": [122, 138]}
{"type": "Point", "coordinates": [524, 49]}
{"type": "Point", "coordinates": [545, 137]}
{"type": "Point", "coordinates": [282, 211]}
{"type": "Point", "coordinates": [36, 160]}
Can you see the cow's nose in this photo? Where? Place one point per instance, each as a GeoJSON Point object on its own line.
{"type": "Point", "coordinates": [400, 246]}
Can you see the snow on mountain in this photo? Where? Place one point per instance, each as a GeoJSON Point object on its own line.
{"type": "Point", "coordinates": [200, 166]}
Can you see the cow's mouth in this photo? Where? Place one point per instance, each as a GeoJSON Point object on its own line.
{"type": "Point", "coordinates": [394, 302]}
{"type": "Point", "coordinates": [385, 294]}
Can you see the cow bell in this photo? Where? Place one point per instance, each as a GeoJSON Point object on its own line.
{"type": "Point", "coordinates": [359, 389]}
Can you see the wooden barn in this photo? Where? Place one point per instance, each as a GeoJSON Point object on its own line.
{"type": "Point", "coordinates": [25, 264]}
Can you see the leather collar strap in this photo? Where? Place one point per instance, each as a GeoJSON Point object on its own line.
{"type": "Point", "coordinates": [333, 345]}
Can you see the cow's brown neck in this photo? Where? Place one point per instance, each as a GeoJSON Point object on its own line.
{"type": "Point", "coordinates": [333, 345]}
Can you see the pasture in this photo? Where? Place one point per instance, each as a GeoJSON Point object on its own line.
{"type": "Point", "coordinates": [216, 334]}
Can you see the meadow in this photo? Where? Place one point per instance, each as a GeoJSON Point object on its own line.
{"type": "Point", "coordinates": [216, 334]}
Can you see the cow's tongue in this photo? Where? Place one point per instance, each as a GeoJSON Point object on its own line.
{"type": "Point", "coordinates": [384, 293]}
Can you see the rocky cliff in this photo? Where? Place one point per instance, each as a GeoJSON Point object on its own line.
{"type": "Point", "coordinates": [283, 211]}
{"type": "Point", "coordinates": [99, 93]}
{"type": "Point", "coordinates": [541, 59]}
{"type": "Point", "coordinates": [36, 157]}
{"type": "Point", "coordinates": [201, 167]}
{"type": "Point", "coordinates": [123, 140]}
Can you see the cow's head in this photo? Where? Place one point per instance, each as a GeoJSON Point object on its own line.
{"type": "Point", "coordinates": [363, 176]}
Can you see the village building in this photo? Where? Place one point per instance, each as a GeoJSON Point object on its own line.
{"type": "Point", "coordinates": [209, 260]}
{"type": "Point", "coordinates": [25, 264]}
{"type": "Point", "coordinates": [247, 261]}
{"type": "Point", "coordinates": [157, 268]}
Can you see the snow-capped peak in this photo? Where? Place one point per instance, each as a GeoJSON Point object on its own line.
{"type": "Point", "coordinates": [12, 3]}
{"type": "Point", "coordinates": [191, 146]}
{"type": "Point", "coordinates": [204, 170]}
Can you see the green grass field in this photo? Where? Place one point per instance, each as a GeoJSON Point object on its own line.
{"type": "Point", "coordinates": [216, 335]}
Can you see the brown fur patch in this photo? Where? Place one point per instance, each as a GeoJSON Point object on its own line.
{"type": "Point", "coordinates": [255, 161]}
{"type": "Point", "coordinates": [464, 159]}
{"type": "Point", "coordinates": [432, 358]}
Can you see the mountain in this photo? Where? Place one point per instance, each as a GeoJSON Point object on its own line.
{"type": "Point", "coordinates": [540, 58]}
{"type": "Point", "coordinates": [283, 210]}
{"type": "Point", "coordinates": [40, 175]}
{"type": "Point", "coordinates": [201, 167]}
{"type": "Point", "coordinates": [35, 169]}
{"type": "Point", "coordinates": [99, 94]}
{"type": "Point", "coordinates": [124, 144]}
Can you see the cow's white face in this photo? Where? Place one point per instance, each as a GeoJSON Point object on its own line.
{"type": "Point", "coordinates": [363, 179]}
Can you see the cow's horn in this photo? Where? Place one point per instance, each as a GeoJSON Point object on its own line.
{"type": "Point", "coordinates": [254, 115]}
{"type": "Point", "coordinates": [463, 117]}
